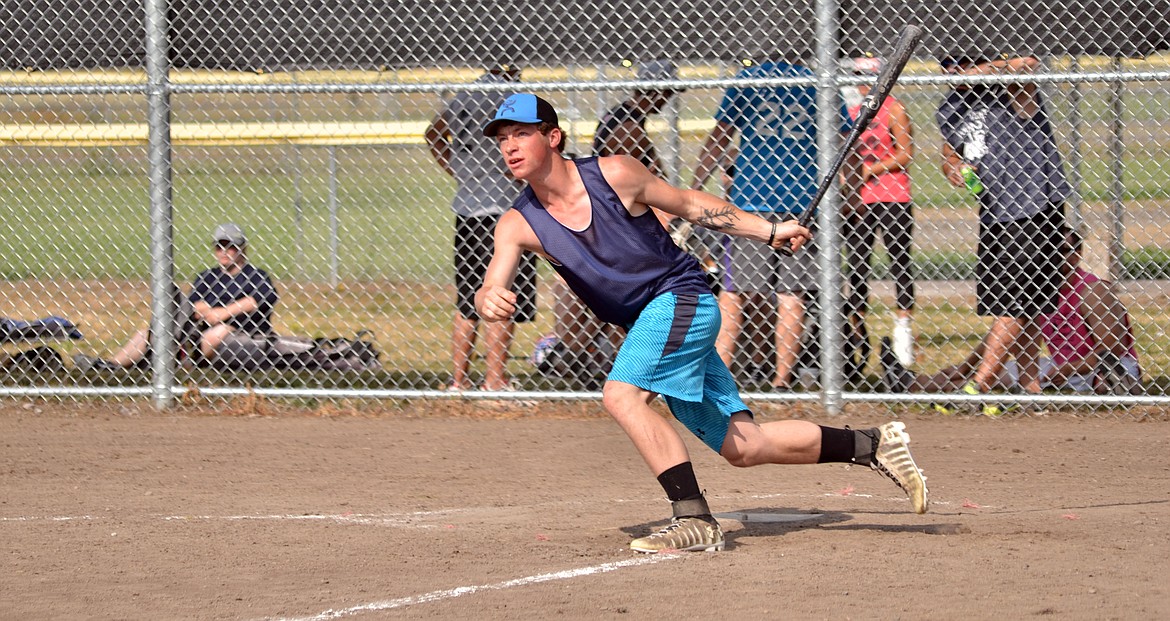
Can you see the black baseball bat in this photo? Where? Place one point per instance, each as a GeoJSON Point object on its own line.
{"type": "Point", "coordinates": [908, 40]}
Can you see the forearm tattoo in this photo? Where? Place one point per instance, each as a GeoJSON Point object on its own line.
{"type": "Point", "coordinates": [718, 219]}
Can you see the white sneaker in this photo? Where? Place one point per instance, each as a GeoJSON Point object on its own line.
{"type": "Point", "coordinates": [904, 341]}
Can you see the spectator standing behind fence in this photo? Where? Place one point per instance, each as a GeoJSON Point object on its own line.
{"type": "Point", "coordinates": [775, 177]}
{"type": "Point", "coordinates": [1003, 134]}
{"type": "Point", "coordinates": [234, 297]}
{"type": "Point", "coordinates": [484, 191]}
{"type": "Point", "coordinates": [1089, 337]}
{"type": "Point", "coordinates": [622, 129]}
{"type": "Point", "coordinates": [591, 218]}
{"type": "Point", "coordinates": [882, 202]}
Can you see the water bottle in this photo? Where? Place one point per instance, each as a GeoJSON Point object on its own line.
{"type": "Point", "coordinates": [971, 179]}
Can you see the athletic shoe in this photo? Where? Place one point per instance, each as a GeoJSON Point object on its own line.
{"type": "Point", "coordinates": [992, 410]}
{"type": "Point", "coordinates": [896, 377]}
{"type": "Point", "coordinates": [891, 457]}
{"type": "Point", "coordinates": [686, 534]}
{"type": "Point", "coordinates": [948, 409]}
{"type": "Point", "coordinates": [904, 341]}
{"type": "Point", "coordinates": [86, 363]}
{"type": "Point", "coordinates": [995, 410]}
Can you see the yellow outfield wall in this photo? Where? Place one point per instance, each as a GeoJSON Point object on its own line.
{"type": "Point", "coordinates": [263, 134]}
{"type": "Point", "coordinates": [438, 75]}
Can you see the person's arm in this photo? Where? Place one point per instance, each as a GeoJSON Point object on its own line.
{"type": "Point", "coordinates": [639, 189]}
{"type": "Point", "coordinates": [495, 300]}
{"type": "Point", "coordinates": [437, 137]}
{"type": "Point", "coordinates": [951, 162]}
{"type": "Point", "coordinates": [1103, 314]}
{"type": "Point", "coordinates": [714, 151]}
{"type": "Point", "coordinates": [220, 314]}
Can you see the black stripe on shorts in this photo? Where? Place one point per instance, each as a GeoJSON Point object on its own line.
{"type": "Point", "coordinates": [685, 307]}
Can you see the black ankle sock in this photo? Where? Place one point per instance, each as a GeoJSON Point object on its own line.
{"type": "Point", "coordinates": [837, 445]}
{"type": "Point", "coordinates": [679, 482]}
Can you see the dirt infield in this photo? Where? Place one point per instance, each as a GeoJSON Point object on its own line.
{"type": "Point", "coordinates": [430, 511]}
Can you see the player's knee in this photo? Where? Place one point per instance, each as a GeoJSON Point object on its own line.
{"type": "Point", "coordinates": [740, 459]}
{"type": "Point", "coordinates": [615, 398]}
{"type": "Point", "coordinates": [739, 454]}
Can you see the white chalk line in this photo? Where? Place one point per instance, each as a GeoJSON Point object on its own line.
{"type": "Point", "coordinates": [390, 519]}
{"type": "Point", "coordinates": [435, 596]}
{"type": "Point", "coordinates": [416, 519]}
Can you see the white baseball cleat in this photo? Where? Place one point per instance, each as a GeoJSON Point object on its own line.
{"type": "Point", "coordinates": [892, 458]}
{"type": "Point", "coordinates": [686, 534]}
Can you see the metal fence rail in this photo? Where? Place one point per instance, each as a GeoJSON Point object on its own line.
{"type": "Point", "coordinates": [119, 165]}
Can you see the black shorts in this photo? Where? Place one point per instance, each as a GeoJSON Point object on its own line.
{"type": "Point", "coordinates": [1019, 269]}
{"type": "Point", "coordinates": [474, 245]}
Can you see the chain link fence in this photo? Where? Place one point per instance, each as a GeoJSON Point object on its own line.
{"type": "Point", "coordinates": [319, 131]}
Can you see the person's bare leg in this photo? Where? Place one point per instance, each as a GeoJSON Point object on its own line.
{"type": "Point", "coordinates": [498, 340]}
{"type": "Point", "coordinates": [1027, 353]}
{"type": "Point", "coordinates": [462, 344]}
{"type": "Point", "coordinates": [211, 339]}
{"type": "Point", "coordinates": [133, 351]}
{"type": "Point", "coordinates": [652, 434]}
{"type": "Point", "coordinates": [731, 310]}
{"type": "Point", "coordinates": [1000, 341]}
{"type": "Point", "coordinates": [760, 319]}
{"type": "Point", "coordinates": [789, 330]}
{"type": "Point", "coordinates": [779, 442]}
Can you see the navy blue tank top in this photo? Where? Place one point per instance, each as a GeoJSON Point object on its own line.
{"type": "Point", "coordinates": [619, 262]}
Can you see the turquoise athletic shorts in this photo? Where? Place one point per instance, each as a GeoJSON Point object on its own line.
{"type": "Point", "coordinates": [670, 350]}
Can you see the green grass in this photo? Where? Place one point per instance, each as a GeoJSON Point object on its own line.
{"type": "Point", "coordinates": [392, 223]}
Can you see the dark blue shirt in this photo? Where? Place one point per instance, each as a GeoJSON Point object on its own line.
{"type": "Point", "coordinates": [1017, 159]}
{"type": "Point", "coordinates": [218, 289]}
{"type": "Point", "coordinates": [619, 263]}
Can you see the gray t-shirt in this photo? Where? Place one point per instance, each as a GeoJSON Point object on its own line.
{"type": "Point", "coordinates": [1019, 164]}
{"type": "Point", "coordinates": [484, 189]}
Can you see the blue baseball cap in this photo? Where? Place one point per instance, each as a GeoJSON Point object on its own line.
{"type": "Point", "coordinates": [521, 108]}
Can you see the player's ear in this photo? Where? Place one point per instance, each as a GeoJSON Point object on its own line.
{"type": "Point", "coordinates": [556, 138]}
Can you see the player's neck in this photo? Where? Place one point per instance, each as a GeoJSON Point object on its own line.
{"type": "Point", "coordinates": [562, 192]}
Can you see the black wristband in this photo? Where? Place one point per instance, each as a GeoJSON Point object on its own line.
{"type": "Point", "coordinates": [772, 237]}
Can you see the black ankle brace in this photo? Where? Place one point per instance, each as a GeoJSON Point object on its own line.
{"type": "Point", "coordinates": [866, 445]}
{"type": "Point", "coordinates": [693, 507]}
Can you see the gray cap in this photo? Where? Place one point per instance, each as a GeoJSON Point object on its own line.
{"type": "Point", "coordinates": [230, 233]}
{"type": "Point", "coordinates": [658, 70]}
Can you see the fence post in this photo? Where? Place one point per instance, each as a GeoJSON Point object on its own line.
{"type": "Point", "coordinates": [828, 239]}
{"type": "Point", "coordinates": [334, 222]}
{"type": "Point", "coordinates": [162, 260]}
{"type": "Point", "coordinates": [1117, 174]}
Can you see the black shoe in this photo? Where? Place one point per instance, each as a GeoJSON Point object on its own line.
{"type": "Point", "coordinates": [896, 377]}
{"type": "Point", "coordinates": [85, 363]}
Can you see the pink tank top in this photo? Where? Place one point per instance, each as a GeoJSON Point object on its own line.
{"type": "Point", "coordinates": [875, 144]}
{"type": "Point", "coordinates": [1066, 332]}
